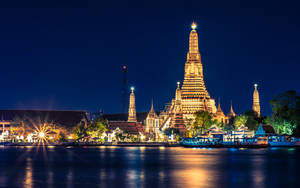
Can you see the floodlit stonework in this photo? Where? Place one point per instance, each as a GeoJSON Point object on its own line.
{"type": "Point", "coordinates": [220, 116]}
{"type": "Point", "coordinates": [132, 110]}
{"type": "Point", "coordinates": [193, 95]}
{"type": "Point", "coordinates": [152, 122]}
{"type": "Point", "coordinates": [256, 105]}
{"type": "Point", "coordinates": [176, 111]}
{"type": "Point", "coordinates": [231, 113]}
{"type": "Point", "coordinates": [190, 97]}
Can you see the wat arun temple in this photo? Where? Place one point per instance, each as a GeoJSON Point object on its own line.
{"type": "Point", "coordinates": [194, 96]}
{"type": "Point", "coordinates": [190, 97]}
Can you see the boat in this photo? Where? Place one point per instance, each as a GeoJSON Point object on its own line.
{"type": "Point", "coordinates": [282, 144]}
{"type": "Point", "coordinates": [215, 143]}
{"type": "Point", "coordinates": [283, 141]}
{"type": "Point", "coordinates": [201, 142]}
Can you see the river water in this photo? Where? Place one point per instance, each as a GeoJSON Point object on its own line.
{"type": "Point", "coordinates": [148, 167]}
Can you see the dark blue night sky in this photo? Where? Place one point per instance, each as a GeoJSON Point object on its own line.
{"type": "Point", "coordinates": [68, 55]}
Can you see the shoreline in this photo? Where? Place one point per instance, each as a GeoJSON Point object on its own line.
{"type": "Point", "coordinates": [128, 144]}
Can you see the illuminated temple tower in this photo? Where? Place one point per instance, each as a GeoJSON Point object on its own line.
{"type": "Point", "coordinates": [132, 110]}
{"type": "Point", "coordinates": [231, 113]}
{"type": "Point", "coordinates": [194, 94]}
{"type": "Point", "coordinates": [176, 112]}
{"type": "Point", "coordinates": [219, 115]}
{"type": "Point", "coordinates": [256, 105]}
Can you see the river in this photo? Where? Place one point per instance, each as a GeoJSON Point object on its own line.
{"type": "Point", "coordinates": [148, 167]}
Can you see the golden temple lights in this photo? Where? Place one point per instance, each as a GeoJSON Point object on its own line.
{"type": "Point", "coordinates": [194, 25]}
{"type": "Point", "coordinates": [256, 104]}
{"type": "Point", "coordinates": [132, 110]}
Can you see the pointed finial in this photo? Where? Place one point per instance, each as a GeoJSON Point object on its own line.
{"type": "Point", "coordinates": [255, 86]}
{"type": "Point", "coordinates": [132, 89]}
{"type": "Point", "coordinates": [152, 107]}
{"type": "Point", "coordinates": [231, 112]}
{"type": "Point", "coordinates": [178, 85]}
{"type": "Point", "coordinates": [194, 25]}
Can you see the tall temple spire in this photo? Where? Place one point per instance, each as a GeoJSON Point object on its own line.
{"type": "Point", "coordinates": [219, 115]}
{"type": "Point", "coordinates": [193, 86]}
{"type": "Point", "coordinates": [178, 92]}
{"type": "Point", "coordinates": [193, 53]}
{"type": "Point", "coordinates": [132, 110]}
{"type": "Point", "coordinates": [152, 107]}
{"type": "Point", "coordinates": [231, 112]}
{"type": "Point", "coordinates": [192, 95]}
{"type": "Point", "coordinates": [177, 120]}
{"type": "Point", "coordinates": [219, 110]}
{"type": "Point", "coordinates": [256, 105]}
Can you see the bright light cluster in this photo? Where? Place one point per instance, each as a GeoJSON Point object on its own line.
{"type": "Point", "coordinates": [194, 25]}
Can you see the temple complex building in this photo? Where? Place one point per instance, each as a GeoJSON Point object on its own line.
{"type": "Point", "coordinates": [190, 97]}
{"type": "Point", "coordinates": [220, 116]}
{"type": "Point", "coordinates": [152, 122]}
{"type": "Point", "coordinates": [256, 105]}
{"type": "Point", "coordinates": [176, 111]}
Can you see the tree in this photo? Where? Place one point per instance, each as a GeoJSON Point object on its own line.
{"type": "Point", "coordinates": [20, 126]}
{"type": "Point", "coordinates": [61, 137]}
{"type": "Point", "coordinates": [240, 120]}
{"type": "Point", "coordinates": [252, 119]}
{"type": "Point", "coordinates": [96, 128]}
{"type": "Point", "coordinates": [203, 120]}
{"type": "Point", "coordinates": [189, 127]}
{"type": "Point", "coordinates": [281, 126]}
{"type": "Point", "coordinates": [249, 119]}
{"type": "Point", "coordinates": [286, 110]}
{"type": "Point", "coordinates": [80, 132]}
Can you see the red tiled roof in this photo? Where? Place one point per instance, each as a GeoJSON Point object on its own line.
{"type": "Point", "coordinates": [140, 116]}
{"type": "Point", "coordinates": [59, 117]}
{"type": "Point", "coordinates": [128, 127]}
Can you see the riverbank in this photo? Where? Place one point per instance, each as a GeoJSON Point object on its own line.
{"type": "Point", "coordinates": [146, 144]}
{"type": "Point", "coordinates": [81, 144]}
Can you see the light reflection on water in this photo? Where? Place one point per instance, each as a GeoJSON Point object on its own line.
{"type": "Point", "coordinates": [28, 172]}
{"type": "Point", "coordinates": [257, 174]}
{"type": "Point", "coordinates": [148, 167]}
